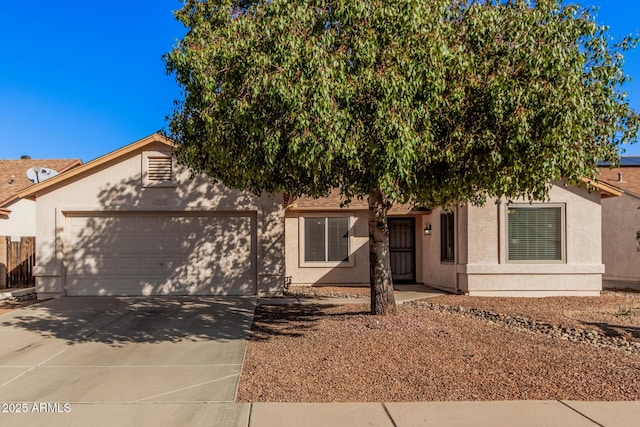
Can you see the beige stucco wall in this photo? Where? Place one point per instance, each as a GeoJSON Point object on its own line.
{"type": "Point", "coordinates": [434, 272]}
{"type": "Point", "coordinates": [481, 266]}
{"type": "Point", "coordinates": [620, 222]}
{"type": "Point", "coordinates": [356, 274]}
{"type": "Point", "coordinates": [21, 221]}
{"type": "Point", "coordinates": [117, 186]}
{"type": "Point", "coordinates": [488, 272]}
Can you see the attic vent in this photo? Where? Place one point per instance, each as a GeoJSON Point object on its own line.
{"type": "Point", "coordinates": [159, 169]}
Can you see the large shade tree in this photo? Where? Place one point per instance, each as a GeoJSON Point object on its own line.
{"type": "Point", "coordinates": [423, 102]}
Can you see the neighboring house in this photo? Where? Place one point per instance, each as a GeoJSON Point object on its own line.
{"type": "Point", "coordinates": [620, 225]}
{"type": "Point", "coordinates": [18, 216]}
{"type": "Point", "coordinates": [133, 223]}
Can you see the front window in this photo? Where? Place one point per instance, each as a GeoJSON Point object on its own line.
{"type": "Point", "coordinates": [447, 230]}
{"type": "Point", "coordinates": [535, 233]}
{"type": "Point", "coordinates": [326, 239]}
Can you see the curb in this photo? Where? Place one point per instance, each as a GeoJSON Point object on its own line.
{"type": "Point", "coordinates": [18, 294]}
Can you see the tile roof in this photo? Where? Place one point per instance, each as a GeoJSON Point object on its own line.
{"type": "Point", "coordinates": [332, 202]}
{"type": "Point", "coordinates": [625, 178]}
{"type": "Point", "coordinates": [13, 174]}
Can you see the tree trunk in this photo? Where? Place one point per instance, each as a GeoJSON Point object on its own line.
{"type": "Point", "coordinates": [383, 301]}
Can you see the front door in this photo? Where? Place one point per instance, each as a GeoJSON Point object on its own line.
{"type": "Point", "coordinates": [402, 237]}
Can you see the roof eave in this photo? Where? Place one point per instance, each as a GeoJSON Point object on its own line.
{"type": "Point", "coordinates": [296, 208]}
{"type": "Point", "coordinates": [7, 201]}
{"type": "Point", "coordinates": [70, 172]}
{"type": "Point", "coordinates": [70, 166]}
{"type": "Point", "coordinates": [605, 189]}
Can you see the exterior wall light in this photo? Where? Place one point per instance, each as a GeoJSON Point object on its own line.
{"type": "Point", "coordinates": [427, 229]}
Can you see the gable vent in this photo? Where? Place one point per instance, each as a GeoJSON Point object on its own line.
{"type": "Point", "coordinates": [159, 169]}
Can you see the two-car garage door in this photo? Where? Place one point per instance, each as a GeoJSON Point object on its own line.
{"type": "Point", "coordinates": [160, 253]}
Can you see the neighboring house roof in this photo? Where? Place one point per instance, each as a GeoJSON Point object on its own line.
{"type": "Point", "coordinates": [89, 167]}
{"type": "Point", "coordinates": [624, 161]}
{"type": "Point", "coordinates": [626, 178]}
{"type": "Point", "coordinates": [605, 189]}
{"type": "Point", "coordinates": [13, 176]}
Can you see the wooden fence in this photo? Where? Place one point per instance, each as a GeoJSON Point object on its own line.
{"type": "Point", "coordinates": [20, 259]}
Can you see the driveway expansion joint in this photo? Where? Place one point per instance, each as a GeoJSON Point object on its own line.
{"type": "Point", "coordinates": [386, 410]}
{"type": "Point", "coordinates": [581, 414]}
{"type": "Point", "coordinates": [96, 330]}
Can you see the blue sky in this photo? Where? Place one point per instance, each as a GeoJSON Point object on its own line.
{"type": "Point", "coordinates": [79, 79]}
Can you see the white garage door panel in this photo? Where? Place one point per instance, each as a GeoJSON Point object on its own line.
{"type": "Point", "coordinates": [160, 254]}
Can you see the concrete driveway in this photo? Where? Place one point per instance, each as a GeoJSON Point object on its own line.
{"type": "Point", "coordinates": [101, 354]}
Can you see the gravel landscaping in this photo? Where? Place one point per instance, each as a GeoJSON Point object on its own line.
{"type": "Point", "coordinates": [450, 347]}
{"type": "Point", "coordinates": [446, 348]}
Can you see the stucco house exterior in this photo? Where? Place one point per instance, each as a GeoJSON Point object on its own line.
{"type": "Point", "coordinates": [620, 225]}
{"type": "Point", "coordinates": [500, 249]}
{"type": "Point", "coordinates": [133, 222]}
{"type": "Point", "coordinates": [18, 216]}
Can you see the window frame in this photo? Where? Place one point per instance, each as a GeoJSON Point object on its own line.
{"type": "Point", "coordinates": [301, 241]}
{"type": "Point", "coordinates": [563, 233]}
{"type": "Point", "coordinates": [452, 225]}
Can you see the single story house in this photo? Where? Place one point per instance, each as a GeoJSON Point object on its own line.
{"type": "Point", "coordinates": [133, 222]}
{"type": "Point", "coordinates": [18, 216]}
{"type": "Point", "coordinates": [621, 225]}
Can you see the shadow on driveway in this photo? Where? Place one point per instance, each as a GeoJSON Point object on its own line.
{"type": "Point", "coordinates": [120, 320]}
{"type": "Point", "coordinates": [112, 350]}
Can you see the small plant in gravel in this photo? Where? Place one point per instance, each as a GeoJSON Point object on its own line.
{"type": "Point", "coordinates": [624, 310]}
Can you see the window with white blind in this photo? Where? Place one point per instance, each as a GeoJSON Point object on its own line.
{"type": "Point", "coordinates": [158, 169]}
{"type": "Point", "coordinates": [326, 239]}
{"type": "Point", "coordinates": [535, 233]}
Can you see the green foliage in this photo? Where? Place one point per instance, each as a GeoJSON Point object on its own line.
{"type": "Point", "coordinates": [625, 310]}
{"type": "Point", "coordinates": [429, 102]}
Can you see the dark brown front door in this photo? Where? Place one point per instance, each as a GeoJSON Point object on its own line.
{"type": "Point", "coordinates": [402, 237]}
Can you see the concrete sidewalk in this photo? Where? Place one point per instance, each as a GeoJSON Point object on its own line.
{"type": "Point", "coordinates": [17, 293]}
{"type": "Point", "coordinates": [548, 413]}
{"type": "Point", "coordinates": [458, 414]}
